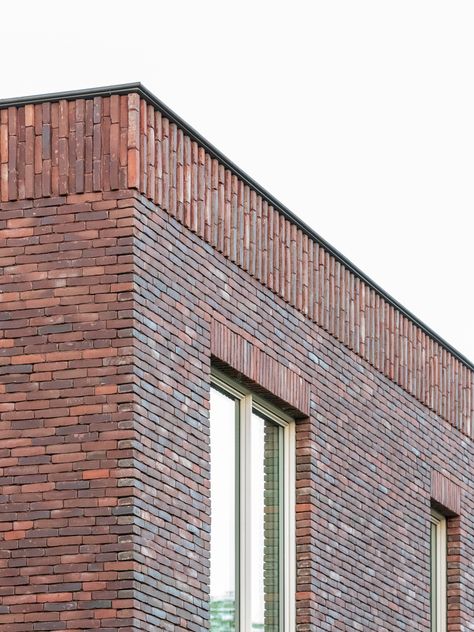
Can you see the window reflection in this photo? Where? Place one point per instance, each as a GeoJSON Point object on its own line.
{"type": "Point", "coordinates": [223, 512]}
{"type": "Point", "coordinates": [266, 453]}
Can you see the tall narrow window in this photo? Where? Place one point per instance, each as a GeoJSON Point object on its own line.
{"type": "Point", "coordinates": [438, 572]}
{"type": "Point", "coordinates": [224, 493]}
{"type": "Point", "coordinates": [252, 531]}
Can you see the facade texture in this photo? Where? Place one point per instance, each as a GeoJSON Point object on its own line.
{"type": "Point", "coordinates": [134, 257]}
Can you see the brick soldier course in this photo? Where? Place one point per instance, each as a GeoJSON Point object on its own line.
{"type": "Point", "coordinates": [135, 256]}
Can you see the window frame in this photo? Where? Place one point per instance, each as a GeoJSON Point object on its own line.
{"type": "Point", "coordinates": [249, 402]}
{"type": "Point", "coordinates": [438, 563]}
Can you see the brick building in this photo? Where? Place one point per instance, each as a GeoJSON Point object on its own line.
{"type": "Point", "coordinates": [173, 338]}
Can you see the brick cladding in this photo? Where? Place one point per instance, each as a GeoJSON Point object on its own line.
{"type": "Point", "coordinates": [123, 278]}
{"type": "Point", "coordinates": [109, 143]}
{"type": "Point", "coordinates": [65, 401]}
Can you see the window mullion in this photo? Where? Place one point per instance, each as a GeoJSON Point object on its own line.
{"type": "Point", "coordinates": [245, 514]}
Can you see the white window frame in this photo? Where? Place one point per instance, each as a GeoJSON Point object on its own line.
{"type": "Point", "coordinates": [249, 402]}
{"type": "Point", "coordinates": [438, 594]}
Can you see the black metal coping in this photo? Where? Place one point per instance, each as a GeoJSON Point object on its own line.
{"type": "Point", "coordinates": [139, 89]}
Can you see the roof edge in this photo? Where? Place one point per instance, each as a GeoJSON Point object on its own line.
{"type": "Point", "coordinates": [142, 91]}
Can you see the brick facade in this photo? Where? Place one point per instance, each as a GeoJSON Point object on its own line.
{"type": "Point", "coordinates": [133, 257]}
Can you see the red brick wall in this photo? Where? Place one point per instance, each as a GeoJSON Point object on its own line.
{"type": "Point", "coordinates": [365, 455]}
{"type": "Point", "coordinates": [111, 143]}
{"type": "Point", "coordinates": [131, 259]}
{"type": "Point", "coordinates": [65, 413]}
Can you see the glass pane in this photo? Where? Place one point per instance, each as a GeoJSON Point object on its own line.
{"type": "Point", "coordinates": [223, 420]}
{"type": "Point", "coordinates": [266, 508]}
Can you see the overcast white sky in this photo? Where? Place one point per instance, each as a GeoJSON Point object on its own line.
{"type": "Point", "coordinates": [358, 115]}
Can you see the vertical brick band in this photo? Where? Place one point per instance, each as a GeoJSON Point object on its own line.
{"type": "Point", "coordinates": [106, 143]}
{"type": "Point", "coordinates": [68, 147]}
{"type": "Point", "coordinates": [240, 351]}
{"type": "Point", "coordinates": [445, 492]}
